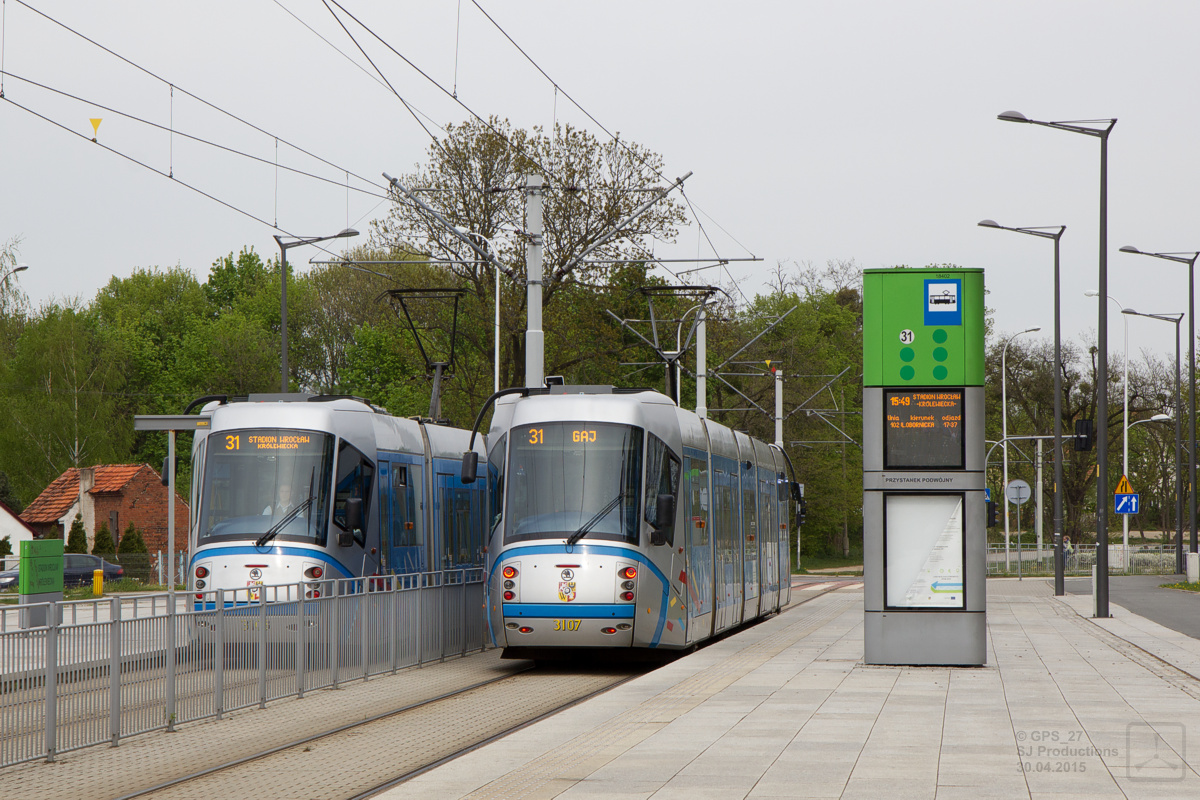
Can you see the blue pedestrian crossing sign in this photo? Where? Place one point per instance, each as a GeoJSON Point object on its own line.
{"type": "Point", "coordinates": [1125, 500]}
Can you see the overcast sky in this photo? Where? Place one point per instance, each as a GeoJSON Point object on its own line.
{"type": "Point", "coordinates": [816, 130]}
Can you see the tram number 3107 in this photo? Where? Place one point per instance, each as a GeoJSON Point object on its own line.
{"type": "Point", "coordinates": [566, 624]}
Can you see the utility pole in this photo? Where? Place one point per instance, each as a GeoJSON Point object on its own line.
{"type": "Point", "coordinates": [535, 358]}
{"type": "Point", "coordinates": [702, 365]}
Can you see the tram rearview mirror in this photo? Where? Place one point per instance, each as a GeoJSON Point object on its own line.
{"type": "Point", "coordinates": [470, 463]}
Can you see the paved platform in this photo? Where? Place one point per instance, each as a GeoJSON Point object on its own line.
{"type": "Point", "coordinates": [1066, 707]}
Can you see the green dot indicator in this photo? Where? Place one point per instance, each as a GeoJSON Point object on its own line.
{"type": "Point", "coordinates": [907, 354]}
{"type": "Point", "coordinates": [940, 336]}
{"type": "Point", "coordinates": [940, 372]}
{"type": "Point", "coordinates": [940, 354]}
{"type": "Point", "coordinates": [907, 372]}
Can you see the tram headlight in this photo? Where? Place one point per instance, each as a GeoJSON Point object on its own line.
{"type": "Point", "coordinates": [627, 585]}
{"type": "Point", "coordinates": [200, 584]}
{"type": "Point", "coordinates": [509, 584]}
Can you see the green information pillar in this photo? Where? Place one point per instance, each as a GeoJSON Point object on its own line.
{"type": "Point", "coordinates": [40, 579]}
{"type": "Point", "coordinates": [924, 526]}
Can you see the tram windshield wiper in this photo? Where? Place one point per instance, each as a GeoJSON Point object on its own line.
{"type": "Point", "coordinates": [591, 523]}
{"type": "Point", "coordinates": [288, 517]}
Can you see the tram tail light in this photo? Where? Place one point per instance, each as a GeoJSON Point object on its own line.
{"type": "Point", "coordinates": [509, 595]}
{"type": "Point", "coordinates": [201, 572]}
{"type": "Point", "coordinates": [608, 630]}
{"type": "Point", "coordinates": [510, 572]}
{"type": "Point", "coordinates": [525, 629]}
{"type": "Point", "coordinates": [629, 572]}
{"type": "Point", "coordinates": [626, 595]}
{"type": "Point", "coordinates": [314, 573]}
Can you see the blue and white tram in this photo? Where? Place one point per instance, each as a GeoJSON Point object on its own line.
{"type": "Point", "coordinates": [627, 522]}
{"type": "Point", "coordinates": [300, 489]}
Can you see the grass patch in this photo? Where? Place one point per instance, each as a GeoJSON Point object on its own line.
{"type": "Point", "coordinates": [1186, 587]}
{"type": "Point", "coordinates": [121, 586]}
{"type": "Point", "coordinates": [810, 563]}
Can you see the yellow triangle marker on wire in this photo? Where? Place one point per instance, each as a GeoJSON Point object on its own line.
{"type": "Point", "coordinates": [95, 128]}
{"type": "Point", "coordinates": [1123, 486]}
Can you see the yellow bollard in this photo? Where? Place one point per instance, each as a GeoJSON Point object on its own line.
{"type": "Point", "coordinates": [97, 582]}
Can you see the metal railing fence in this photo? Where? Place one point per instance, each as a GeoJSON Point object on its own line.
{"type": "Point", "coordinates": [1140, 560]}
{"type": "Point", "coordinates": [105, 669]}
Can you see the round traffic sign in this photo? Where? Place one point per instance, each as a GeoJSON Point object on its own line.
{"type": "Point", "coordinates": [1017, 491]}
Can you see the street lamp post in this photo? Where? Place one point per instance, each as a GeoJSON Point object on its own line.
{"type": "Point", "coordinates": [1084, 127]}
{"type": "Point", "coordinates": [1046, 233]}
{"type": "Point", "coordinates": [1188, 258]}
{"type": "Point", "coordinates": [14, 271]}
{"type": "Point", "coordinates": [1176, 319]}
{"type": "Point", "coordinates": [1004, 425]}
{"type": "Point", "coordinates": [284, 246]}
{"type": "Point", "coordinates": [1124, 418]}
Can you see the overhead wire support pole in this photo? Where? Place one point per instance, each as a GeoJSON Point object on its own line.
{"type": "Point", "coordinates": [764, 332]}
{"type": "Point", "coordinates": [535, 355]}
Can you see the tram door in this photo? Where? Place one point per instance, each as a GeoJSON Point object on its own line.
{"type": "Point", "coordinates": [698, 545]}
{"type": "Point", "coordinates": [459, 510]}
{"type": "Point", "coordinates": [403, 522]}
{"type": "Point", "coordinates": [768, 515]}
{"type": "Point", "coordinates": [728, 543]}
{"type": "Point", "coordinates": [750, 534]}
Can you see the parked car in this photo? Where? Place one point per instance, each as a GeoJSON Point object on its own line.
{"type": "Point", "coordinates": [77, 571]}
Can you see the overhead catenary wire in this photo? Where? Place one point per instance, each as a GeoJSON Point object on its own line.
{"type": "Point", "coordinates": [197, 139]}
{"type": "Point", "coordinates": [195, 97]}
{"type": "Point", "coordinates": [615, 137]}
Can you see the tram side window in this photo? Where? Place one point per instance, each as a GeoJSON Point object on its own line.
{"type": "Point", "coordinates": [662, 477]}
{"type": "Point", "coordinates": [496, 463]}
{"type": "Point", "coordinates": [355, 476]}
{"type": "Point", "coordinates": [462, 518]}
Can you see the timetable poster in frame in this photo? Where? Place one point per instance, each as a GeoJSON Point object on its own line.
{"type": "Point", "coordinates": [923, 551]}
{"type": "Point", "coordinates": [923, 429]}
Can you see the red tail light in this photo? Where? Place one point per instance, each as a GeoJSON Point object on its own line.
{"type": "Point", "coordinates": [314, 572]}
{"type": "Point", "coordinates": [509, 595]}
{"type": "Point", "coordinates": [201, 572]}
{"type": "Point", "coordinates": [608, 630]}
{"type": "Point", "coordinates": [510, 572]}
{"type": "Point", "coordinates": [525, 629]}
{"type": "Point", "coordinates": [629, 572]}
{"type": "Point", "coordinates": [626, 595]}
{"type": "Point", "coordinates": [199, 597]}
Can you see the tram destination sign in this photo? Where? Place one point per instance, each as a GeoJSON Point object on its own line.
{"type": "Point", "coordinates": [923, 428]}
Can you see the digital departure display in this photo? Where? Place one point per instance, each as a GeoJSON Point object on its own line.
{"type": "Point", "coordinates": [923, 429]}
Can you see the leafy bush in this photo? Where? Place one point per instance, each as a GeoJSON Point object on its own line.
{"type": "Point", "coordinates": [77, 538]}
{"type": "Point", "coordinates": [103, 545]}
{"type": "Point", "coordinates": [132, 554]}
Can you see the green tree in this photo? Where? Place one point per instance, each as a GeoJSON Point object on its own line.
{"type": "Point", "coordinates": [8, 495]}
{"type": "Point", "coordinates": [5, 547]}
{"type": "Point", "coordinates": [133, 555]}
{"type": "Point", "coordinates": [477, 172]}
{"type": "Point", "coordinates": [65, 403]}
{"type": "Point", "coordinates": [102, 544]}
{"type": "Point", "coordinates": [77, 538]}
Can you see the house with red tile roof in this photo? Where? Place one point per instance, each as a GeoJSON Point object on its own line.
{"type": "Point", "coordinates": [15, 530]}
{"type": "Point", "coordinates": [114, 493]}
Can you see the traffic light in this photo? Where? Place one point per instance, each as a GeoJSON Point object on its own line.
{"type": "Point", "coordinates": [1085, 434]}
{"type": "Point", "coordinates": [991, 509]}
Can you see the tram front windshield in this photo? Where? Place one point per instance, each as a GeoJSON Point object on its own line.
{"type": "Point", "coordinates": [255, 479]}
{"type": "Point", "coordinates": [568, 477]}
